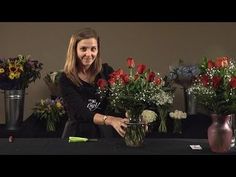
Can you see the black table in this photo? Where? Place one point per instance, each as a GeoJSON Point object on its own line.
{"type": "Point", "coordinates": [115, 146]}
{"type": "Point", "coordinates": [195, 126]}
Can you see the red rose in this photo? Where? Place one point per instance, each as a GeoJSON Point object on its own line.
{"type": "Point", "coordinates": [130, 62]}
{"type": "Point", "coordinates": [102, 83]}
{"type": "Point", "coordinates": [216, 81]}
{"type": "Point", "coordinates": [151, 76]}
{"type": "Point", "coordinates": [116, 74]}
{"type": "Point", "coordinates": [204, 79]}
{"type": "Point", "coordinates": [141, 68]}
{"type": "Point", "coordinates": [210, 64]}
{"type": "Point", "coordinates": [112, 81]}
{"type": "Point", "coordinates": [157, 81]}
{"type": "Point", "coordinates": [232, 82]}
{"type": "Point", "coordinates": [125, 78]}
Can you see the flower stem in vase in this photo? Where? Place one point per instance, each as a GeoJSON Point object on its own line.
{"type": "Point", "coordinates": [135, 133]}
{"type": "Point", "coordinates": [50, 126]}
{"type": "Point", "coordinates": [162, 127]}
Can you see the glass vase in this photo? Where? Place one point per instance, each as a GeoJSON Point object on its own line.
{"type": "Point", "coordinates": [163, 116]}
{"type": "Point", "coordinates": [135, 131]}
{"type": "Point", "coordinates": [220, 133]}
{"type": "Point", "coordinates": [135, 134]}
{"type": "Point", "coordinates": [189, 102]}
{"type": "Point", "coordinates": [177, 126]}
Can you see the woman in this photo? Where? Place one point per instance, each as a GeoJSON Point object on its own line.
{"type": "Point", "coordinates": [83, 68]}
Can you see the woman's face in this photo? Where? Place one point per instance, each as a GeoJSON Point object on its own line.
{"type": "Point", "coordinates": [87, 50]}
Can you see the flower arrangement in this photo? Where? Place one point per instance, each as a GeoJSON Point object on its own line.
{"type": "Point", "coordinates": [52, 81]}
{"type": "Point", "coordinates": [18, 72]}
{"type": "Point", "coordinates": [148, 116]}
{"type": "Point", "coordinates": [178, 116]}
{"type": "Point", "coordinates": [183, 74]}
{"type": "Point", "coordinates": [140, 89]}
{"type": "Point", "coordinates": [215, 87]}
{"type": "Point", "coordinates": [50, 110]}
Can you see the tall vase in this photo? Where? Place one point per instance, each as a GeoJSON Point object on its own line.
{"type": "Point", "coordinates": [220, 133]}
{"type": "Point", "coordinates": [14, 108]}
{"type": "Point", "coordinates": [163, 113]}
{"type": "Point", "coordinates": [189, 102]}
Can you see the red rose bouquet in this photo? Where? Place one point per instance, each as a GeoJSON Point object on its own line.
{"type": "Point", "coordinates": [215, 87]}
{"type": "Point", "coordinates": [137, 90]}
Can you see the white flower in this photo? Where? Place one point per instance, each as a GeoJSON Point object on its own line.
{"type": "Point", "coordinates": [149, 116]}
{"type": "Point", "coordinates": [178, 115]}
{"type": "Point", "coordinates": [54, 75]}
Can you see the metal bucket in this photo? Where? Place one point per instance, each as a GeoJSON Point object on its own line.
{"type": "Point", "coordinates": [14, 108]}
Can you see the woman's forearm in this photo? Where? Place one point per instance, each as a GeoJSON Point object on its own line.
{"type": "Point", "coordinates": [101, 119]}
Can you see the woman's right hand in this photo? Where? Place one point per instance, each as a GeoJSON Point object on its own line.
{"type": "Point", "coordinates": [118, 123]}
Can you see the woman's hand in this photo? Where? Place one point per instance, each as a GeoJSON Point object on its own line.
{"type": "Point", "coordinates": [118, 123]}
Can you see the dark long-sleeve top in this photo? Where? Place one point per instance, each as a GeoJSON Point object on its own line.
{"type": "Point", "coordinates": [82, 103]}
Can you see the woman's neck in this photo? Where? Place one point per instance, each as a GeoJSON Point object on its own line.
{"type": "Point", "coordinates": [85, 70]}
{"type": "Point", "coordinates": [86, 76]}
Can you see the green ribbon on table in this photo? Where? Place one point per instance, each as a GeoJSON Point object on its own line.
{"type": "Point", "coordinates": [76, 139]}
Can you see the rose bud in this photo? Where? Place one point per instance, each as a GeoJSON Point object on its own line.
{"type": "Point", "coordinates": [11, 139]}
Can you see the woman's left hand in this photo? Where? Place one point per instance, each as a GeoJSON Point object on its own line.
{"type": "Point", "coordinates": [118, 123]}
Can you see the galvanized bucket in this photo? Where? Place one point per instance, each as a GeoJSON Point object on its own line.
{"type": "Point", "coordinates": [14, 108]}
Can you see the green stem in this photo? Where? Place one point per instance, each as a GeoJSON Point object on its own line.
{"type": "Point", "coordinates": [163, 115]}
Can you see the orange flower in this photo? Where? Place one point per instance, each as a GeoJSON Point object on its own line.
{"type": "Point", "coordinates": [221, 62]}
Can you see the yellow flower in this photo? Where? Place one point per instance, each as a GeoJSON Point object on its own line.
{"type": "Point", "coordinates": [50, 110]}
{"type": "Point", "coordinates": [18, 72]}
{"type": "Point", "coordinates": [19, 67]}
{"type": "Point", "coordinates": [2, 70]}
{"type": "Point", "coordinates": [12, 75]}
{"type": "Point", "coordinates": [58, 104]}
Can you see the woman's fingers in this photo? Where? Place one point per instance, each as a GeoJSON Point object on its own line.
{"type": "Point", "coordinates": [123, 125]}
{"type": "Point", "coordinates": [125, 120]}
{"type": "Point", "coordinates": [121, 132]}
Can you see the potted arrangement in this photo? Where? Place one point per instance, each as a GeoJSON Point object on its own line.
{"type": "Point", "coordinates": [50, 111]}
{"type": "Point", "coordinates": [215, 89]}
{"type": "Point", "coordinates": [15, 76]}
